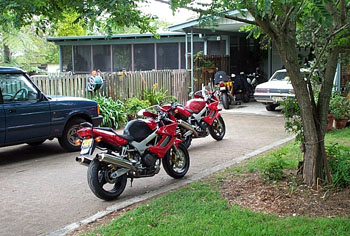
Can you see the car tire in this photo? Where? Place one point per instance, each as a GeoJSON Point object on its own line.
{"type": "Point", "coordinates": [67, 140]}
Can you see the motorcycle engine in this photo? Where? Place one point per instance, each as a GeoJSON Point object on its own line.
{"type": "Point", "coordinates": [203, 129]}
{"type": "Point", "coordinates": [149, 160]}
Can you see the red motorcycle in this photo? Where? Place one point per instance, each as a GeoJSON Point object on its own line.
{"type": "Point", "coordinates": [135, 154]}
{"type": "Point", "coordinates": [199, 117]}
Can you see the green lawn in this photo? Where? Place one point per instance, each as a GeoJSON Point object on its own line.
{"type": "Point", "coordinates": [198, 209]}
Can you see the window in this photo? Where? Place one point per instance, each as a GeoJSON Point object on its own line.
{"type": "Point", "coordinates": [66, 53]}
{"type": "Point", "coordinates": [102, 57]}
{"type": "Point", "coordinates": [167, 56]}
{"type": "Point", "coordinates": [17, 88]}
{"type": "Point", "coordinates": [121, 57]}
{"type": "Point", "coordinates": [82, 59]}
{"type": "Point", "coordinates": [216, 47]}
{"type": "Point", "coordinates": [144, 57]}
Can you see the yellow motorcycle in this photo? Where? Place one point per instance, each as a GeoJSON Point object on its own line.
{"type": "Point", "coordinates": [224, 85]}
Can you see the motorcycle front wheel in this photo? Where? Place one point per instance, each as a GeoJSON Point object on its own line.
{"type": "Point", "coordinates": [100, 183]}
{"type": "Point", "coordinates": [225, 101]}
{"type": "Point", "coordinates": [217, 130]}
{"type": "Point", "coordinates": [176, 164]}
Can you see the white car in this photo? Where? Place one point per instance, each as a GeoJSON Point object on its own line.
{"type": "Point", "coordinates": [278, 88]}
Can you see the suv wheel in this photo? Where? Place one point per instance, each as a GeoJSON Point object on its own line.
{"type": "Point", "coordinates": [67, 141]}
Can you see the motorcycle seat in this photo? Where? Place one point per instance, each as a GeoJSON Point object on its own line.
{"type": "Point", "coordinates": [129, 138]}
{"type": "Point", "coordinates": [189, 110]}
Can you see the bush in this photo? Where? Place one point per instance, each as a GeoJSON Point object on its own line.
{"type": "Point", "coordinates": [113, 112]}
{"type": "Point", "coordinates": [339, 164]}
{"type": "Point", "coordinates": [155, 96]}
{"type": "Point", "coordinates": [134, 105]}
{"type": "Point", "coordinates": [274, 167]}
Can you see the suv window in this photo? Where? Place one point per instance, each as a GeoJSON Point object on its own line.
{"type": "Point", "coordinates": [17, 88]}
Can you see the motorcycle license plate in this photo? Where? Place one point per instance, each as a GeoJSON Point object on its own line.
{"type": "Point", "coordinates": [222, 88]}
{"type": "Point", "coordinates": [86, 146]}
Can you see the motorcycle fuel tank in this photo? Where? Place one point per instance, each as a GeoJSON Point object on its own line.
{"type": "Point", "coordinates": [196, 105]}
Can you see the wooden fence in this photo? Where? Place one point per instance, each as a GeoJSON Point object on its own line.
{"type": "Point", "coordinates": [117, 85]}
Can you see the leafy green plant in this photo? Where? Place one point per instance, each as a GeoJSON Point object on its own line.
{"type": "Point", "coordinates": [156, 96]}
{"type": "Point", "coordinates": [291, 112]}
{"type": "Point", "coordinates": [274, 168]}
{"type": "Point", "coordinates": [134, 105]}
{"type": "Point", "coordinates": [113, 112]}
{"type": "Point", "coordinates": [339, 106]}
{"type": "Point", "coordinates": [203, 62]}
{"type": "Point", "coordinates": [339, 164]}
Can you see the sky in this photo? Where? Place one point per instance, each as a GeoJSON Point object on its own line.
{"type": "Point", "coordinates": [164, 12]}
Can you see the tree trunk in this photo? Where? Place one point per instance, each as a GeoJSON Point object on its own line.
{"type": "Point", "coordinates": [286, 45]}
{"type": "Point", "coordinates": [7, 54]}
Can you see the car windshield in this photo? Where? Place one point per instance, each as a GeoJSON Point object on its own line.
{"type": "Point", "coordinates": [280, 76]}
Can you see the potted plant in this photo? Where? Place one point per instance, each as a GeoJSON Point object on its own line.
{"type": "Point", "coordinates": [340, 108]}
{"type": "Point", "coordinates": [204, 64]}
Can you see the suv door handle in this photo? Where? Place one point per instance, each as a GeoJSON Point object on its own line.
{"type": "Point", "coordinates": [12, 110]}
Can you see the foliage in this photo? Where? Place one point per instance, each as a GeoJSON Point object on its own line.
{"type": "Point", "coordinates": [173, 214]}
{"type": "Point", "coordinates": [339, 106]}
{"type": "Point", "coordinates": [156, 96]}
{"type": "Point", "coordinates": [106, 14]}
{"type": "Point", "coordinates": [69, 26]}
{"type": "Point", "coordinates": [134, 105]}
{"type": "Point", "coordinates": [203, 63]}
{"type": "Point", "coordinates": [339, 163]}
{"type": "Point", "coordinates": [113, 112]}
{"type": "Point", "coordinates": [274, 168]}
{"type": "Point", "coordinates": [291, 112]}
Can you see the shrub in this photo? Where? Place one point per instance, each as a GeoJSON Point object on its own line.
{"type": "Point", "coordinates": [339, 164]}
{"type": "Point", "coordinates": [113, 112]}
{"type": "Point", "coordinates": [274, 167]}
{"type": "Point", "coordinates": [155, 96]}
{"type": "Point", "coordinates": [134, 105]}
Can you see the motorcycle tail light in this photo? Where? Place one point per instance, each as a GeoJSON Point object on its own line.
{"type": "Point", "coordinates": [98, 139]}
{"type": "Point", "coordinates": [77, 142]}
{"type": "Point", "coordinates": [84, 133]}
{"type": "Point", "coordinates": [98, 110]}
{"type": "Point", "coordinates": [221, 84]}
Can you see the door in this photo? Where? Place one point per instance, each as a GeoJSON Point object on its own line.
{"type": "Point", "coordinates": [27, 116]}
{"type": "Point", "coordinates": [2, 123]}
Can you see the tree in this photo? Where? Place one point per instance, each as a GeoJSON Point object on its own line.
{"type": "Point", "coordinates": [325, 22]}
{"type": "Point", "coordinates": [107, 15]}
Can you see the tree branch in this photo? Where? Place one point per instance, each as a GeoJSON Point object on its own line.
{"type": "Point", "coordinates": [287, 18]}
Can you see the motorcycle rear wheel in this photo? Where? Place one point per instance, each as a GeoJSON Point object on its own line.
{"type": "Point", "coordinates": [96, 176]}
{"type": "Point", "coordinates": [218, 129]}
{"type": "Point", "coordinates": [175, 165]}
{"type": "Point", "coordinates": [225, 101]}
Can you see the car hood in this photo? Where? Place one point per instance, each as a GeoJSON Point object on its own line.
{"type": "Point", "coordinates": [276, 85]}
{"type": "Point", "coordinates": [65, 98]}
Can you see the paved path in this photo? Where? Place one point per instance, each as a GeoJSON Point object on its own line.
{"type": "Point", "coordinates": [43, 189]}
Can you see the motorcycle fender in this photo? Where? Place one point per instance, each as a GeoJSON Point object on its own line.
{"type": "Point", "coordinates": [213, 107]}
{"type": "Point", "coordinates": [177, 141]}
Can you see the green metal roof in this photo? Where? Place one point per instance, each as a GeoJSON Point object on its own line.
{"type": "Point", "coordinates": [113, 37]}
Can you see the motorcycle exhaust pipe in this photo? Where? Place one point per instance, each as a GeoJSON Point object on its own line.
{"type": "Point", "coordinates": [83, 161]}
{"type": "Point", "coordinates": [188, 126]}
{"type": "Point", "coordinates": [116, 161]}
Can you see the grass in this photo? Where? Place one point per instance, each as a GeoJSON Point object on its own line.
{"type": "Point", "coordinates": [198, 209]}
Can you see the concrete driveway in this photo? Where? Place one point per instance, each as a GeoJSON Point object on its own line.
{"type": "Point", "coordinates": [43, 189]}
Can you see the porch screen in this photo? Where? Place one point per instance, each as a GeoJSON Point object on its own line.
{"type": "Point", "coordinates": [167, 56]}
{"type": "Point", "coordinates": [102, 57]}
{"type": "Point", "coordinates": [121, 57]}
{"type": "Point", "coordinates": [144, 57]}
{"type": "Point", "coordinates": [82, 59]}
{"type": "Point", "coordinates": [197, 46]}
{"type": "Point", "coordinates": [217, 47]}
{"type": "Point", "coordinates": [66, 53]}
